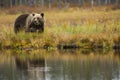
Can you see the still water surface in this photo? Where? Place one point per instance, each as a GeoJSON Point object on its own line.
{"type": "Point", "coordinates": [59, 65]}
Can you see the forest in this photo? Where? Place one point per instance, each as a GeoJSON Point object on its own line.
{"type": "Point", "coordinates": [58, 3]}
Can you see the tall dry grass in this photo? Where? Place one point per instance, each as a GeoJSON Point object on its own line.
{"type": "Point", "coordinates": [88, 28]}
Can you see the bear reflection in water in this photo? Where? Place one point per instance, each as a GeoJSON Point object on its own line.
{"type": "Point", "coordinates": [26, 64]}
{"type": "Point", "coordinates": [34, 68]}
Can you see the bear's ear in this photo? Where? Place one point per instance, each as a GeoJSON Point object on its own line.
{"type": "Point", "coordinates": [42, 14]}
{"type": "Point", "coordinates": [33, 14]}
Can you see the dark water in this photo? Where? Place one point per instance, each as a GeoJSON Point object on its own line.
{"type": "Point", "coordinates": [59, 65]}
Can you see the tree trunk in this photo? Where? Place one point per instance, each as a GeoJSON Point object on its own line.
{"type": "Point", "coordinates": [80, 2]}
{"type": "Point", "coordinates": [20, 2]}
{"type": "Point", "coordinates": [25, 2]}
{"type": "Point", "coordinates": [15, 2]}
{"type": "Point", "coordinates": [49, 4]}
{"type": "Point", "coordinates": [92, 3]}
{"type": "Point", "coordinates": [116, 2]}
{"type": "Point", "coordinates": [35, 2]}
{"type": "Point", "coordinates": [109, 1]}
{"type": "Point", "coordinates": [11, 3]}
{"type": "Point", "coordinates": [59, 4]}
{"type": "Point", "coordinates": [99, 2]}
{"type": "Point", "coordinates": [42, 3]}
{"type": "Point", "coordinates": [106, 1]}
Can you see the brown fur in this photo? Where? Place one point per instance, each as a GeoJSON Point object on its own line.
{"type": "Point", "coordinates": [27, 23]}
{"type": "Point", "coordinates": [20, 22]}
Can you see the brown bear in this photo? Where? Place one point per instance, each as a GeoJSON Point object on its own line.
{"type": "Point", "coordinates": [29, 23]}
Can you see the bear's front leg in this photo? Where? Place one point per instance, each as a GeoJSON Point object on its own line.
{"type": "Point", "coordinates": [41, 30]}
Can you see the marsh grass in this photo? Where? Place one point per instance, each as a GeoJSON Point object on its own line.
{"type": "Point", "coordinates": [73, 27]}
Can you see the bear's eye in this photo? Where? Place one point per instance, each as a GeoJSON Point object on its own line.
{"type": "Point", "coordinates": [33, 14]}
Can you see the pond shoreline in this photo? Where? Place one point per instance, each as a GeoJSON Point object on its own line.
{"type": "Point", "coordinates": [99, 29]}
{"type": "Point", "coordinates": [61, 47]}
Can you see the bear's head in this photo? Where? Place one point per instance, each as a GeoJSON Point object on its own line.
{"type": "Point", "coordinates": [37, 19]}
{"type": "Point", "coordinates": [36, 22]}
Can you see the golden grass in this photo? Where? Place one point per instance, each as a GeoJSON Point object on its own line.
{"type": "Point", "coordinates": [86, 28]}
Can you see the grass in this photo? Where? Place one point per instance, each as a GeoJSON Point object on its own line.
{"type": "Point", "coordinates": [71, 28]}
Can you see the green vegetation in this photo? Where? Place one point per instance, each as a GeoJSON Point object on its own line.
{"type": "Point", "coordinates": [72, 28]}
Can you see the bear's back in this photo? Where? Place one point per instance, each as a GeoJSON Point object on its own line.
{"type": "Point", "coordinates": [21, 19]}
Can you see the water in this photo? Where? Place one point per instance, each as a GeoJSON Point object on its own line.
{"type": "Point", "coordinates": [59, 65]}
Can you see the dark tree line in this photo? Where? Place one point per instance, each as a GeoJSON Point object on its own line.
{"type": "Point", "coordinates": [58, 3]}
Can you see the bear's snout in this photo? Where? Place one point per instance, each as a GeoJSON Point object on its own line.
{"type": "Point", "coordinates": [36, 22]}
